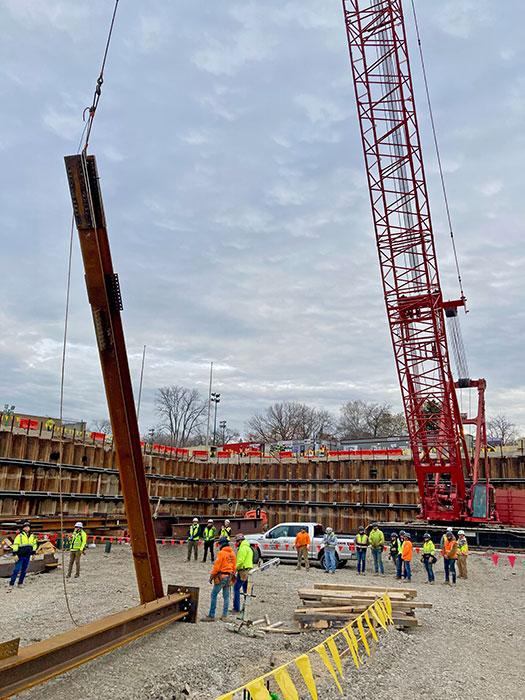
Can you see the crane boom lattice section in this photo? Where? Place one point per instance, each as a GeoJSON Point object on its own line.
{"type": "Point", "coordinates": [405, 242]}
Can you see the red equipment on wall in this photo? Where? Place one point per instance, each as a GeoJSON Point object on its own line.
{"type": "Point", "coordinates": [448, 479]}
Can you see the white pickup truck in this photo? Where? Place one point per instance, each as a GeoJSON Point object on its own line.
{"type": "Point", "coordinates": [279, 541]}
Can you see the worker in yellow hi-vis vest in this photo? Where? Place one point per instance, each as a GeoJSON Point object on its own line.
{"type": "Point", "coordinates": [77, 547]}
{"type": "Point", "coordinates": [24, 546]}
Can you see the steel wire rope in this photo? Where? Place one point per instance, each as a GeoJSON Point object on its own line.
{"type": "Point", "coordinates": [460, 355]}
{"type": "Point", "coordinates": [436, 145]}
{"type": "Point", "coordinates": [82, 145]}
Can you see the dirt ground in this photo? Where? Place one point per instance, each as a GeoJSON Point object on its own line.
{"type": "Point", "coordinates": [469, 646]}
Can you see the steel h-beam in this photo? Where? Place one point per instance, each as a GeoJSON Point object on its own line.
{"type": "Point", "coordinates": [106, 304]}
{"type": "Point", "coordinates": [405, 242]}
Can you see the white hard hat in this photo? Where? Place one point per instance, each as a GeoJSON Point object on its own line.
{"type": "Point", "coordinates": [210, 520]}
{"type": "Point", "coordinates": [78, 525]}
{"type": "Point", "coordinates": [329, 529]}
{"type": "Point", "coordinates": [461, 532]}
{"type": "Point", "coordinates": [449, 529]}
{"type": "Point", "coordinates": [226, 522]}
{"type": "Point", "coordinates": [195, 520]}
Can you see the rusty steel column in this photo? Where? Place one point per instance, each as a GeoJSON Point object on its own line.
{"type": "Point", "coordinates": [106, 304]}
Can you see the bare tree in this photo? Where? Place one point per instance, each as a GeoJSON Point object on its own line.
{"type": "Point", "coordinates": [502, 430]}
{"type": "Point", "coordinates": [290, 420]}
{"type": "Point", "coordinates": [181, 411]}
{"type": "Point", "coordinates": [360, 419]}
{"type": "Point", "coordinates": [101, 425]}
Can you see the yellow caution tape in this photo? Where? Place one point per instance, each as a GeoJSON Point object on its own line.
{"type": "Point", "coordinates": [370, 626]}
{"type": "Point", "coordinates": [286, 684]}
{"type": "Point", "coordinates": [258, 690]}
{"type": "Point", "coordinates": [377, 615]}
{"type": "Point", "coordinates": [381, 612]}
{"type": "Point", "coordinates": [320, 649]}
{"type": "Point", "coordinates": [351, 646]}
{"type": "Point", "coordinates": [304, 666]}
{"type": "Point", "coordinates": [330, 643]}
{"type": "Point", "coordinates": [362, 633]}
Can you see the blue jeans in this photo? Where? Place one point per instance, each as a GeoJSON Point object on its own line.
{"type": "Point", "coordinates": [406, 571]}
{"type": "Point", "coordinates": [329, 559]}
{"type": "Point", "coordinates": [378, 560]}
{"type": "Point", "coordinates": [399, 563]}
{"type": "Point", "coordinates": [450, 568]}
{"type": "Point", "coordinates": [361, 560]}
{"type": "Point", "coordinates": [237, 588]}
{"type": "Point", "coordinates": [223, 586]}
{"type": "Point", "coordinates": [20, 568]}
{"type": "Point", "coordinates": [429, 569]}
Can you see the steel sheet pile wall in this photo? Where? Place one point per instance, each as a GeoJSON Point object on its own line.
{"type": "Point", "coordinates": [343, 493]}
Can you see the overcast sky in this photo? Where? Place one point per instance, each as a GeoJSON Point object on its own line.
{"type": "Point", "coordinates": [233, 180]}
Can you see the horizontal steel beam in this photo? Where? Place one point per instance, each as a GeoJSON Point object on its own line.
{"type": "Point", "coordinates": [37, 663]}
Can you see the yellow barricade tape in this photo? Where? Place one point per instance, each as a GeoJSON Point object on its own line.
{"type": "Point", "coordinates": [380, 611]}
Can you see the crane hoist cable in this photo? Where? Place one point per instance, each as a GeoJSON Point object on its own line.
{"type": "Point", "coordinates": [456, 340]}
{"type": "Point", "coordinates": [438, 153]}
{"type": "Point", "coordinates": [82, 145]}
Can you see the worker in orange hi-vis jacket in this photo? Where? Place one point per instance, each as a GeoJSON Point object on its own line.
{"type": "Point", "coordinates": [462, 554]}
{"type": "Point", "coordinates": [406, 557]}
{"type": "Point", "coordinates": [302, 542]}
{"type": "Point", "coordinates": [222, 576]}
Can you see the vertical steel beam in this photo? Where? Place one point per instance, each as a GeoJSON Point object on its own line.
{"type": "Point", "coordinates": [106, 304]}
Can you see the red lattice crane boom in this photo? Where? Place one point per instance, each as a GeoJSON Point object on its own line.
{"type": "Point", "coordinates": [448, 478]}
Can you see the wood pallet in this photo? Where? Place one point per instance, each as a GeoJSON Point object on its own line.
{"type": "Point", "coordinates": [337, 604]}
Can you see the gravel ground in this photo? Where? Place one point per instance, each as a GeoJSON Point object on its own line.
{"type": "Point", "coordinates": [469, 646]}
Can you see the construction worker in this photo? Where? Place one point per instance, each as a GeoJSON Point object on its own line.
{"type": "Point", "coordinates": [361, 545]}
{"type": "Point", "coordinates": [222, 575]}
{"type": "Point", "coordinates": [450, 554]}
{"type": "Point", "coordinates": [24, 546]}
{"type": "Point", "coordinates": [376, 540]}
{"type": "Point", "coordinates": [399, 559]}
{"type": "Point", "coordinates": [226, 530]}
{"type": "Point", "coordinates": [394, 548]}
{"type": "Point", "coordinates": [77, 547]}
{"type": "Point", "coordinates": [243, 565]}
{"type": "Point", "coordinates": [329, 545]}
{"type": "Point", "coordinates": [208, 535]}
{"type": "Point", "coordinates": [302, 542]}
{"type": "Point", "coordinates": [406, 556]}
{"type": "Point", "coordinates": [462, 554]}
{"type": "Point", "coordinates": [444, 535]}
{"type": "Point", "coordinates": [429, 557]}
{"type": "Point", "coordinates": [193, 538]}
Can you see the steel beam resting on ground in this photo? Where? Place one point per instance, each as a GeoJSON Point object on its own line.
{"type": "Point", "coordinates": [39, 662]}
{"type": "Point", "coordinates": [106, 304]}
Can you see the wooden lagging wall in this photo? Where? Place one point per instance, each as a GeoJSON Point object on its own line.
{"type": "Point", "coordinates": [342, 493]}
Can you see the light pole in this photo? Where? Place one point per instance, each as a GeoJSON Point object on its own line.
{"type": "Point", "coordinates": [222, 426]}
{"type": "Point", "coordinates": [215, 398]}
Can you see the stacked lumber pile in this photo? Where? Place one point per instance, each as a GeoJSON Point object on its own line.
{"type": "Point", "coordinates": [329, 604]}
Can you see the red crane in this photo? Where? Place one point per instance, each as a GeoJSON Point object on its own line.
{"type": "Point", "coordinates": [448, 477]}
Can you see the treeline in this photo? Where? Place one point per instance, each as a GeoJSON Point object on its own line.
{"type": "Point", "coordinates": [183, 415]}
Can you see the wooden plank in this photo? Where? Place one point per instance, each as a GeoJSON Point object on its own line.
{"type": "Point", "coordinates": [336, 602]}
{"type": "Point", "coordinates": [355, 594]}
{"type": "Point", "coordinates": [279, 630]}
{"type": "Point", "coordinates": [411, 592]}
{"type": "Point", "coordinates": [399, 618]}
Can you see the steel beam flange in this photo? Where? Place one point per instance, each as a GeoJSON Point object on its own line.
{"type": "Point", "coordinates": [39, 662]}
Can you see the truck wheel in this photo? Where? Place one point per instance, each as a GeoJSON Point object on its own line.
{"type": "Point", "coordinates": [256, 555]}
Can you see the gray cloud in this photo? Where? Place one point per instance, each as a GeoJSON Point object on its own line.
{"type": "Point", "coordinates": [228, 147]}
